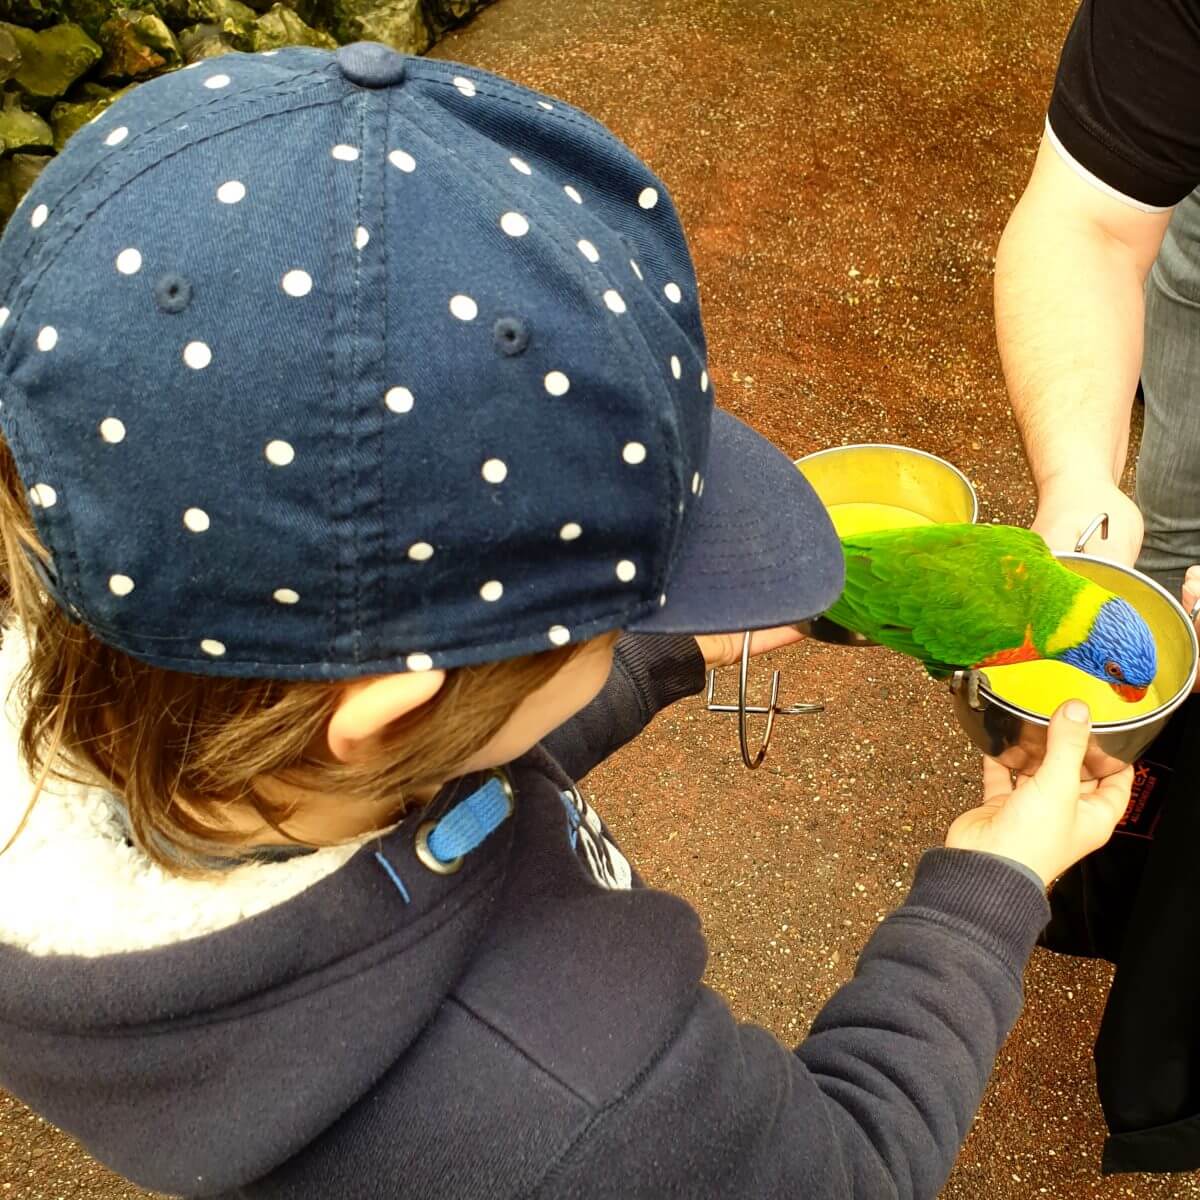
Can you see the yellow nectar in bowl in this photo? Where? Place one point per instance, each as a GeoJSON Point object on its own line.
{"type": "Point", "coordinates": [854, 518]}
{"type": "Point", "coordinates": [1040, 687]}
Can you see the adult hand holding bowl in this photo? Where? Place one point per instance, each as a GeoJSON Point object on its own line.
{"type": "Point", "coordinates": [1067, 506]}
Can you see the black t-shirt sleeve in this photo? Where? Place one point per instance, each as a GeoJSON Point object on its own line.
{"type": "Point", "coordinates": [1126, 101]}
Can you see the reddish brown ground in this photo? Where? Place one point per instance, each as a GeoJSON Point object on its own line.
{"type": "Point", "coordinates": [844, 170]}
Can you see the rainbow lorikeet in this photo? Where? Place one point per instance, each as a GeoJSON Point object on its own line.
{"type": "Point", "coordinates": [956, 596]}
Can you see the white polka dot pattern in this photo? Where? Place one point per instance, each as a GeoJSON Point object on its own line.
{"type": "Point", "coordinates": [279, 454]}
{"type": "Point", "coordinates": [514, 224]}
{"type": "Point", "coordinates": [464, 308]}
{"type": "Point", "coordinates": [487, 326]}
{"type": "Point", "coordinates": [112, 430]}
{"type": "Point", "coordinates": [197, 355]}
{"type": "Point", "coordinates": [399, 399]}
{"type": "Point", "coordinates": [297, 283]}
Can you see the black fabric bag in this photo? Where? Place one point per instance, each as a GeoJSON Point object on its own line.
{"type": "Point", "coordinates": [1136, 903]}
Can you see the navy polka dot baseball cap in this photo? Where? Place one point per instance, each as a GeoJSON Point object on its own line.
{"type": "Point", "coordinates": [323, 364]}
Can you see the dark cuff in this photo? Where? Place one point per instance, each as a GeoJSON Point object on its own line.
{"type": "Point", "coordinates": [663, 668]}
{"type": "Point", "coordinates": [985, 896]}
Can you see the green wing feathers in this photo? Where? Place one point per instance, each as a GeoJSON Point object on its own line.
{"type": "Point", "coordinates": [949, 595]}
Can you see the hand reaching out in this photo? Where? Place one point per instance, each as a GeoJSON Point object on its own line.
{"type": "Point", "coordinates": [725, 649]}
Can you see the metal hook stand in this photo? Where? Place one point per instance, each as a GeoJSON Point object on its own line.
{"type": "Point", "coordinates": [1100, 522]}
{"type": "Point", "coordinates": [770, 711]}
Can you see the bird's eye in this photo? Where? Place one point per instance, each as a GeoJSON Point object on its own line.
{"type": "Point", "coordinates": [1113, 671]}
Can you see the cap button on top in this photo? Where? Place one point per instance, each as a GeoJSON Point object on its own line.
{"type": "Point", "coordinates": [370, 64]}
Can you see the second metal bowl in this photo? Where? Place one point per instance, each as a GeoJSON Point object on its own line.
{"type": "Point", "coordinates": [896, 476]}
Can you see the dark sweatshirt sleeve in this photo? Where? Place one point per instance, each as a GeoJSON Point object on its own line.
{"type": "Point", "coordinates": [648, 674]}
{"type": "Point", "coordinates": [874, 1103]}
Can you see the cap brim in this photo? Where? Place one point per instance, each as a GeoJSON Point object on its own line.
{"type": "Point", "coordinates": [759, 549]}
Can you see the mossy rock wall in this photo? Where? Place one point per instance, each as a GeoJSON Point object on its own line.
{"type": "Point", "coordinates": [62, 62]}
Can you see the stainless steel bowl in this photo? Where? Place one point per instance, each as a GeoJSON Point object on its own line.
{"type": "Point", "coordinates": [1017, 736]}
{"type": "Point", "coordinates": [883, 474]}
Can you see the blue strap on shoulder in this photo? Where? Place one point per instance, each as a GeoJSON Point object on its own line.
{"type": "Point", "coordinates": [470, 821]}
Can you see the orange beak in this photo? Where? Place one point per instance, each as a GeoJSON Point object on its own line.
{"type": "Point", "coordinates": [1127, 691]}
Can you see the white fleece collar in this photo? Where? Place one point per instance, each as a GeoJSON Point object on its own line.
{"type": "Point", "coordinates": [70, 884]}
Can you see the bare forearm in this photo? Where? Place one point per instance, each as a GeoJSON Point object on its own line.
{"type": "Point", "coordinates": [1069, 314]}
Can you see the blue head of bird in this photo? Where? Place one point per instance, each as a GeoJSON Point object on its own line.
{"type": "Point", "coordinates": [1119, 649]}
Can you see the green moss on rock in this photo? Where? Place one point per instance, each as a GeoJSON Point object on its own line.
{"type": "Point", "coordinates": [86, 103]}
{"type": "Point", "coordinates": [137, 43]}
{"type": "Point", "coordinates": [234, 20]}
{"type": "Point", "coordinates": [17, 174]}
{"type": "Point", "coordinates": [51, 59]}
{"type": "Point", "coordinates": [91, 14]}
{"type": "Point", "coordinates": [398, 23]}
{"type": "Point", "coordinates": [203, 41]}
{"type": "Point", "coordinates": [10, 55]}
{"type": "Point", "coordinates": [282, 27]}
{"type": "Point", "coordinates": [20, 130]}
{"type": "Point", "coordinates": [34, 14]}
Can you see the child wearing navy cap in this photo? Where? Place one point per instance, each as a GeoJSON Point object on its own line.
{"type": "Point", "coordinates": [353, 407]}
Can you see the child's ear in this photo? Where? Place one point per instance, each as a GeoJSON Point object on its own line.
{"type": "Point", "coordinates": [369, 706]}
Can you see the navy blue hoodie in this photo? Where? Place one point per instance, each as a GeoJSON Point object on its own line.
{"type": "Point", "coordinates": [532, 1026]}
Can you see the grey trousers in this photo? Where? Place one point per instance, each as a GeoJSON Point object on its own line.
{"type": "Point", "coordinates": [1168, 473]}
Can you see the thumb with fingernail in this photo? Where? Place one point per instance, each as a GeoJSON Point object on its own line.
{"type": "Point", "coordinates": [1050, 820]}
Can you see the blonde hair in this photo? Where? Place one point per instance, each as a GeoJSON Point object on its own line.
{"type": "Point", "coordinates": [184, 751]}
